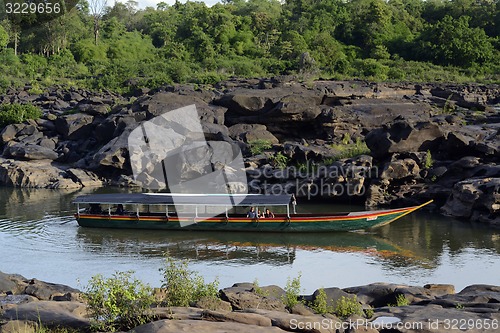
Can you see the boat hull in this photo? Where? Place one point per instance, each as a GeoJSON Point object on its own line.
{"type": "Point", "coordinates": [296, 223]}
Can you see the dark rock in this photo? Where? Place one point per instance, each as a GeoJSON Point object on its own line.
{"type": "Point", "coordinates": [31, 152]}
{"type": "Point", "coordinates": [242, 297]}
{"type": "Point", "coordinates": [94, 109]}
{"type": "Point", "coordinates": [246, 103]}
{"type": "Point", "coordinates": [440, 289]}
{"type": "Point", "coordinates": [75, 126]}
{"type": "Point", "coordinates": [475, 195]}
{"type": "Point", "coordinates": [85, 177]}
{"type": "Point", "coordinates": [237, 317]}
{"type": "Point", "coordinates": [402, 136]}
{"type": "Point", "coordinates": [251, 132]}
{"type": "Point", "coordinates": [50, 314]}
{"type": "Point", "coordinates": [11, 283]}
{"type": "Point", "coordinates": [383, 294]}
{"type": "Point", "coordinates": [208, 303]}
{"type": "Point", "coordinates": [17, 326]}
{"type": "Point", "coordinates": [288, 321]}
{"type": "Point", "coordinates": [175, 326]}
{"type": "Point", "coordinates": [333, 295]}
{"type": "Point", "coordinates": [47, 291]}
{"type": "Point", "coordinates": [400, 169]}
{"type": "Point", "coordinates": [10, 132]}
{"type": "Point", "coordinates": [47, 143]}
{"type": "Point", "coordinates": [34, 174]}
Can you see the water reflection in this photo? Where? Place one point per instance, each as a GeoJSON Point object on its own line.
{"type": "Point", "coordinates": [244, 248]}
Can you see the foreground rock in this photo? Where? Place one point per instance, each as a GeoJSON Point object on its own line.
{"type": "Point", "coordinates": [26, 304]}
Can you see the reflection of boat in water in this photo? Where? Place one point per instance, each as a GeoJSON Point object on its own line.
{"type": "Point", "coordinates": [251, 247]}
{"type": "Point", "coordinates": [191, 213]}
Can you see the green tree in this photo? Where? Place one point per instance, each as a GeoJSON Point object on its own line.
{"type": "Point", "coordinates": [453, 42]}
{"type": "Point", "coordinates": [4, 38]}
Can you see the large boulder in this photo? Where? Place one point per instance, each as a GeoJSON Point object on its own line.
{"type": "Point", "coordinates": [75, 126]}
{"type": "Point", "coordinates": [476, 199]}
{"type": "Point", "coordinates": [161, 102]}
{"type": "Point", "coordinates": [251, 132]}
{"type": "Point", "coordinates": [30, 152]}
{"type": "Point", "coordinates": [175, 326]}
{"type": "Point", "coordinates": [48, 291]}
{"type": "Point", "coordinates": [402, 136]}
{"type": "Point", "coordinates": [34, 174]}
{"type": "Point", "coordinates": [244, 296]}
{"type": "Point", "coordinates": [11, 283]}
{"type": "Point", "coordinates": [50, 314]}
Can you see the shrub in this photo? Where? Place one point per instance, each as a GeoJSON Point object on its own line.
{"type": "Point", "coordinates": [185, 286]}
{"type": "Point", "coordinates": [119, 302]}
{"type": "Point", "coordinates": [348, 150]}
{"type": "Point", "coordinates": [292, 292]}
{"type": "Point", "coordinates": [17, 113]}
{"type": "Point", "coordinates": [279, 160]}
{"type": "Point", "coordinates": [258, 146]}
{"type": "Point", "coordinates": [348, 306]}
{"type": "Point", "coordinates": [401, 300]}
{"type": "Point", "coordinates": [428, 160]}
{"type": "Point", "coordinates": [320, 304]}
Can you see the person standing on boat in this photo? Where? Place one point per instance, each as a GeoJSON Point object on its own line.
{"type": "Point", "coordinates": [251, 213]}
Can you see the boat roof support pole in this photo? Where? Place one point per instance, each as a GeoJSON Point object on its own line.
{"type": "Point", "coordinates": [196, 211]}
{"type": "Point", "coordinates": [109, 209]}
{"type": "Point", "coordinates": [288, 211]}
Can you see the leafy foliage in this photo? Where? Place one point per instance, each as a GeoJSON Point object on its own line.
{"type": "Point", "coordinates": [184, 286]}
{"type": "Point", "coordinates": [349, 150]}
{"type": "Point", "coordinates": [347, 306]}
{"type": "Point", "coordinates": [279, 160]}
{"type": "Point", "coordinates": [17, 113]}
{"type": "Point", "coordinates": [258, 146]}
{"type": "Point", "coordinates": [292, 292]}
{"type": "Point", "coordinates": [320, 304]}
{"type": "Point", "coordinates": [119, 302]}
{"type": "Point", "coordinates": [379, 40]}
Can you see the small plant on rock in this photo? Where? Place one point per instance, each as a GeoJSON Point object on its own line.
{"type": "Point", "coordinates": [119, 302]}
{"type": "Point", "coordinates": [185, 286]}
{"type": "Point", "coordinates": [258, 289]}
{"type": "Point", "coordinates": [348, 306]}
{"type": "Point", "coordinates": [292, 292]}
{"type": "Point", "coordinates": [401, 300]}
{"type": "Point", "coordinates": [258, 146]}
{"type": "Point", "coordinates": [429, 162]}
{"type": "Point", "coordinates": [320, 304]}
{"type": "Point", "coordinates": [279, 160]}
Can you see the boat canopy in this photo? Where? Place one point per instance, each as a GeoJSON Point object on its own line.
{"type": "Point", "coordinates": [186, 199]}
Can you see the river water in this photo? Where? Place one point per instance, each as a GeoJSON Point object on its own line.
{"type": "Point", "coordinates": [39, 238]}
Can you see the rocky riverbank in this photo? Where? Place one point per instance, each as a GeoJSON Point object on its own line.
{"type": "Point", "coordinates": [381, 144]}
{"type": "Point", "coordinates": [28, 303]}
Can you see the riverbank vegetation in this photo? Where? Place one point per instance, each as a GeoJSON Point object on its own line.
{"type": "Point", "coordinates": [99, 45]}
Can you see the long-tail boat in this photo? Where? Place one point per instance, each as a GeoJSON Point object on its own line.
{"type": "Point", "coordinates": [220, 212]}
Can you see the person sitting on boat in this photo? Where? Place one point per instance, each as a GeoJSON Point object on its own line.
{"type": "Point", "coordinates": [95, 209]}
{"type": "Point", "coordinates": [268, 213]}
{"type": "Point", "coordinates": [119, 210]}
{"type": "Point", "coordinates": [252, 213]}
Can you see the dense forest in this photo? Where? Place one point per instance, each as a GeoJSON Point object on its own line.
{"type": "Point", "coordinates": [98, 45]}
